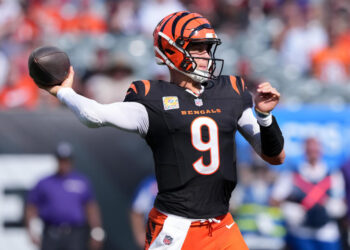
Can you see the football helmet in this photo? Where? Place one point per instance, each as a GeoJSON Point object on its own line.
{"type": "Point", "coordinates": [172, 38]}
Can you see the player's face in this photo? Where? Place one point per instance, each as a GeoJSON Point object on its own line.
{"type": "Point", "coordinates": [200, 50]}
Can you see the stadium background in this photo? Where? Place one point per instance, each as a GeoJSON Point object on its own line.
{"type": "Point", "coordinates": [273, 40]}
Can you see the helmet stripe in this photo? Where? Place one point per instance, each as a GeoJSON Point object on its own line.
{"type": "Point", "coordinates": [203, 26]}
{"type": "Point", "coordinates": [161, 29]}
{"type": "Point", "coordinates": [187, 22]}
{"type": "Point", "coordinates": [163, 26]}
{"type": "Point", "coordinates": [177, 19]}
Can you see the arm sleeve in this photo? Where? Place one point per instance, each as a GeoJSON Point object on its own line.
{"type": "Point", "coordinates": [265, 140]}
{"type": "Point", "coordinates": [250, 130]}
{"type": "Point", "coordinates": [33, 196]}
{"type": "Point", "coordinates": [129, 116]}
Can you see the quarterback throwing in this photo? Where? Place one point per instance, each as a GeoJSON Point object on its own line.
{"type": "Point", "coordinates": [190, 124]}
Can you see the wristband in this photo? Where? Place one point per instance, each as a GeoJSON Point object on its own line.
{"type": "Point", "coordinates": [272, 140]}
{"type": "Point", "coordinates": [260, 113]}
{"type": "Point", "coordinates": [97, 233]}
{"type": "Point", "coordinates": [264, 118]}
{"type": "Point", "coordinates": [266, 121]}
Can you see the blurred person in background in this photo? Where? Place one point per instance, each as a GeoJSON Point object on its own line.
{"type": "Point", "coordinates": [112, 80]}
{"type": "Point", "coordinates": [151, 11]}
{"type": "Point", "coordinates": [19, 90]}
{"type": "Point", "coordinates": [303, 34]}
{"type": "Point", "coordinates": [189, 123]}
{"type": "Point", "coordinates": [331, 65]}
{"type": "Point", "coordinates": [65, 204]}
{"type": "Point", "coordinates": [261, 224]}
{"type": "Point", "coordinates": [84, 17]}
{"type": "Point", "coordinates": [232, 16]}
{"type": "Point", "coordinates": [142, 204]}
{"type": "Point", "coordinates": [48, 16]}
{"type": "Point", "coordinates": [122, 17]}
{"type": "Point", "coordinates": [311, 198]}
{"type": "Point", "coordinates": [10, 12]}
{"type": "Point", "coordinates": [208, 8]}
{"type": "Point", "coordinates": [56, 17]}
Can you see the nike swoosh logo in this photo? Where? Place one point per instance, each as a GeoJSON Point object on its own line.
{"type": "Point", "coordinates": [229, 226]}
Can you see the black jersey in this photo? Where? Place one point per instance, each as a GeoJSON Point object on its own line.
{"type": "Point", "coordinates": [193, 144]}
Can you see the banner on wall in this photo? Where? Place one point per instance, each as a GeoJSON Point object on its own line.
{"type": "Point", "coordinates": [330, 125]}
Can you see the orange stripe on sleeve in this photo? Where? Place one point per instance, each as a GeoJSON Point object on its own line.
{"type": "Point", "coordinates": [234, 84]}
{"type": "Point", "coordinates": [132, 86]}
{"type": "Point", "coordinates": [243, 84]}
{"type": "Point", "coordinates": [147, 86]}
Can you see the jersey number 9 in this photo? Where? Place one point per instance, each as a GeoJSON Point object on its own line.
{"type": "Point", "coordinates": [212, 144]}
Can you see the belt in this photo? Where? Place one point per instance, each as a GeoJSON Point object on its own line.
{"type": "Point", "coordinates": [64, 227]}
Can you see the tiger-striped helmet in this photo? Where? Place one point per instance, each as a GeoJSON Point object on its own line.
{"type": "Point", "coordinates": [175, 33]}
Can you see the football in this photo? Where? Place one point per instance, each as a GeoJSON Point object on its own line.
{"type": "Point", "coordinates": [48, 66]}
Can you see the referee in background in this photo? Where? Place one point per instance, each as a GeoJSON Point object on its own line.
{"type": "Point", "coordinates": [65, 204]}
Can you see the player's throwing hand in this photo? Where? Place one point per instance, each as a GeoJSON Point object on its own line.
{"type": "Point", "coordinates": [68, 83]}
{"type": "Point", "coordinates": [266, 97]}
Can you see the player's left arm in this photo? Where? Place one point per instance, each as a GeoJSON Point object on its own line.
{"type": "Point", "coordinates": [272, 142]}
{"type": "Point", "coordinates": [263, 132]}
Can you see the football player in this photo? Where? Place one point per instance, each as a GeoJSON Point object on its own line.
{"type": "Point", "coordinates": [190, 125]}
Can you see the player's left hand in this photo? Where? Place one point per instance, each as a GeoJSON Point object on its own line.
{"type": "Point", "coordinates": [266, 97]}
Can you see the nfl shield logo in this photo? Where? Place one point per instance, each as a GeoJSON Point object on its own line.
{"type": "Point", "coordinates": [167, 240]}
{"type": "Point", "coordinates": [198, 102]}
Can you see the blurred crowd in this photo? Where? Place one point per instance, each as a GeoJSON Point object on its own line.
{"type": "Point", "coordinates": [304, 207]}
{"type": "Point", "coordinates": [300, 46]}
